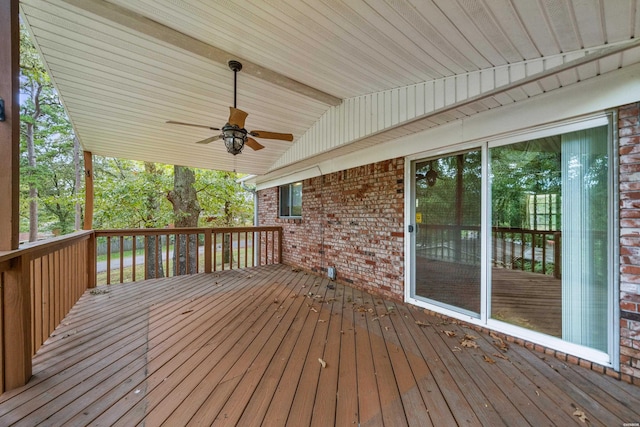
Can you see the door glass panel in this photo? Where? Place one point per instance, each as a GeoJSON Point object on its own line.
{"type": "Point", "coordinates": [549, 246]}
{"type": "Point", "coordinates": [447, 241]}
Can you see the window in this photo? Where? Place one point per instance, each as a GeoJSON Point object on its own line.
{"type": "Point", "coordinates": [291, 200]}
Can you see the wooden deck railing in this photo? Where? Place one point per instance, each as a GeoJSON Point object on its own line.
{"type": "Point", "coordinates": [537, 251]}
{"type": "Point", "coordinates": [40, 283]}
{"type": "Point", "coordinates": [133, 254]}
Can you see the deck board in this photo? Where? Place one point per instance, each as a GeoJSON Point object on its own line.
{"type": "Point", "coordinates": [241, 347]}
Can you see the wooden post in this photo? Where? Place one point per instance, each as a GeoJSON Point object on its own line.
{"type": "Point", "coordinates": [88, 191]}
{"type": "Point", "coordinates": [10, 127]}
{"type": "Point", "coordinates": [91, 261]}
{"type": "Point", "coordinates": [16, 307]}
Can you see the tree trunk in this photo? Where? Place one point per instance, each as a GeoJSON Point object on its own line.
{"type": "Point", "coordinates": [227, 252]}
{"type": "Point", "coordinates": [186, 211]}
{"type": "Point", "coordinates": [152, 255]}
{"type": "Point", "coordinates": [31, 157]}
{"type": "Point", "coordinates": [78, 183]}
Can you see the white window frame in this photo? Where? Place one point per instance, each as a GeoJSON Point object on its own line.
{"type": "Point", "coordinates": [289, 196]}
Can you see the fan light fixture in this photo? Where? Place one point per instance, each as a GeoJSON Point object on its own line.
{"type": "Point", "coordinates": [233, 133]}
{"type": "Point", "coordinates": [234, 138]}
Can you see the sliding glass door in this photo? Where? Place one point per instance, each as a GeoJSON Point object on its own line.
{"type": "Point", "coordinates": [540, 256]}
{"type": "Point", "coordinates": [447, 242]}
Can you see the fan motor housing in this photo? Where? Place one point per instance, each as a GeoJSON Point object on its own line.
{"type": "Point", "coordinates": [235, 66]}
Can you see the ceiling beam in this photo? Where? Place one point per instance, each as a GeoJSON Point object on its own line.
{"type": "Point", "coordinates": [151, 28]}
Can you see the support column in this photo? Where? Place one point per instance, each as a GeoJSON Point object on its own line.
{"type": "Point", "coordinates": [10, 127]}
{"type": "Point", "coordinates": [88, 191]}
{"type": "Point", "coordinates": [16, 307]}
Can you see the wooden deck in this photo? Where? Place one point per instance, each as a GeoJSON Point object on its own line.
{"type": "Point", "coordinates": [526, 299]}
{"type": "Point", "coordinates": [243, 347]}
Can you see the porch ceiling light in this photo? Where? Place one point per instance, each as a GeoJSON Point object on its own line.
{"type": "Point", "coordinates": [234, 138]}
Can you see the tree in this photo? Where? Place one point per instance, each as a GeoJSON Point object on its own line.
{"type": "Point", "coordinates": [48, 180]}
{"type": "Point", "coordinates": [33, 78]}
{"type": "Point", "coordinates": [186, 211]}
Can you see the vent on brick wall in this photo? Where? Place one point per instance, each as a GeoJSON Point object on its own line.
{"type": "Point", "coordinates": [331, 272]}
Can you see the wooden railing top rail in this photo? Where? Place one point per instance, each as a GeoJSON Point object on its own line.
{"type": "Point", "coordinates": [181, 230]}
{"type": "Point", "coordinates": [43, 247]}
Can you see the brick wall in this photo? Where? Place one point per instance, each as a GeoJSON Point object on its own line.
{"type": "Point", "coordinates": [352, 220]}
{"type": "Point", "coordinates": [629, 145]}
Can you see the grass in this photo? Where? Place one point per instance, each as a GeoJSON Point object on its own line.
{"type": "Point", "coordinates": [125, 254]}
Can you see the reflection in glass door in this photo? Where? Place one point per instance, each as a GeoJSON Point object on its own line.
{"type": "Point", "coordinates": [550, 236]}
{"type": "Point", "coordinates": [447, 241]}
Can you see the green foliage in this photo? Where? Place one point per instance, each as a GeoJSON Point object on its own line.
{"type": "Point", "coordinates": [437, 203]}
{"type": "Point", "coordinates": [123, 191]}
{"type": "Point", "coordinates": [520, 170]}
{"type": "Point", "coordinates": [50, 170]}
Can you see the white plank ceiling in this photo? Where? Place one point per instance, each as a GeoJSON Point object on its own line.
{"type": "Point", "coordinates": [341, 75]}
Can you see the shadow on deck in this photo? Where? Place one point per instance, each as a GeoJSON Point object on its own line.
{"type": "Point", "coordinates": [249, 347]}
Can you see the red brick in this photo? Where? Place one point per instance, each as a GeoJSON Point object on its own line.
{"type": "Point", "coordinates": [630, 110]}
{"type": "Point", "coordinates": [337, 228]}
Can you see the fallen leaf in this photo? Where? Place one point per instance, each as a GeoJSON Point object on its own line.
{"type": "Point", "coordinates": [323, 363]}
{"type": "Point", "coordinates": [581, 415]}
{"type": "Point", "coordinates": [449, 333]}
{"type": "Point", "coordinates": [456, 348]}
{"type": "Point", "coordinates": [488, 359]}
{"type": "Point", "coordinates": [499, 342]}
{"type": "Point", "coordinates": [470, 337]}
{"type": "Point", "coordinates": [321, 320]}
{"type": "Point", "coordinates": [501, 356]}
{"type": "Point", "coordinates": [314, 310]}
{"type": "Point", "coordinates": [420, 323]}
{"type": "Point", "coordinates": [469, 344]}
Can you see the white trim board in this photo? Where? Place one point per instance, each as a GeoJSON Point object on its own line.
{"type": "Point", "coordinates": [582, 99]}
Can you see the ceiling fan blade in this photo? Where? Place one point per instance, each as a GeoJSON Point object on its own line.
{"type": "Point", "coordinates": [237, 117]}
{"type": "Point", "coordinates": [191, 124]}
{"type": "Point", "coordinates": [252, 143]}
{"type": "Point", "coordinates": [272, 135]}
{"type": "Point", "coordinates": [208, 140]}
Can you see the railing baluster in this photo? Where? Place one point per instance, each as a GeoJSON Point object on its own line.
{"type": "Point", "coordinates": [146, 257]}
{"type": "Point", "coordinates": [215, 251]}
{"type": "Point", "coordinates": [108, 260]}
{"type": "Point", "coordinates": [544, 253]}
{"type": "Point", "coordinates": [246, 247]}
{"type": "Point", "coordinates": [121, 259]}
{"type": "Point", "coordinates": [207, 251]}
{"type": "Point", "coordinates": [176, 246]}
{"type": "Point", "coordinates": [134, 263]}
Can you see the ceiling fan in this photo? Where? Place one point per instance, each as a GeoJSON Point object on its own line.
{"type": "Point", "coordinates": [234, 134]}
